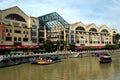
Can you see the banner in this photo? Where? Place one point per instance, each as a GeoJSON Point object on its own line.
{"type": "Point", "coordinates": [3, 30]}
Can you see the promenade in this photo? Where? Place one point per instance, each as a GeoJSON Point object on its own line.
{"type": "Point", "coordinates": [23, 58]}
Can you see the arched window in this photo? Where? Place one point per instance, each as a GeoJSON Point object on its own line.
{"type": "Point", "coordinates": [15, 17]}
{"type": "Point", "coordinates": [114, 31]}
{"type": "Point", "coordinates": [104, 31]}
{"type": "Point", "coordinates": [80, 28]}
{"type": "Point", "coordinates": [92, 30]}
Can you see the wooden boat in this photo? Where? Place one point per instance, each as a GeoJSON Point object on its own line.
{"type": "Point", "coordinates": [33, 61]}
{"type": "Point", "coordinates": [45, 62]}
{"type": "Point", "coordinates": [48, 60]}
{"type": "Point", "coordinates": [105, 58]}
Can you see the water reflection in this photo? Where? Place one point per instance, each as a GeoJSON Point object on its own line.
{"type": "Point", "coordinates": [87, 68]}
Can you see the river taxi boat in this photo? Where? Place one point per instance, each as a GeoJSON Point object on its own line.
{"type": "Point", "coordinates": [33, 61]}
{"type": "Point", "coordinates": [106, 58]}
{"type": "Point", "coordinates": [48, 60]}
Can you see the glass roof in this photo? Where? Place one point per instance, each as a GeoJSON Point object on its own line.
{"type": "Point", "coordinates": [52, 20]}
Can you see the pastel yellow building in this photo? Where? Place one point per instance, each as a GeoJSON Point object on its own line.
{"type": "Point", "coordinates": [16, 28]}
{"type": "Point", "coordinates": [90, 35]}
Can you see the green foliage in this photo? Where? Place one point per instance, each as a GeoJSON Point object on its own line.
{"type": "Point", "coordinates": [112, 46]}
{"type": "Point", "coordinates": [48, 46]}
{"type": "Point", "coordinates": [116, 38]}
{"type": "Point", "coordinates": [72, 45]}
{"type": "Point", "coordinates": [87, 48]}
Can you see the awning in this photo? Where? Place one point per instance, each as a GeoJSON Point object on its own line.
{"type": "Point", "coordinates": [34, 47]}
{"type": "Point", "coordinates": [23, 47]}
{"type": "Point", "coordinates": [100, 47]}
{"type": "Point", "coordinates": [80, 47]}
{"type": "Point", "coordinates": [6, 47]}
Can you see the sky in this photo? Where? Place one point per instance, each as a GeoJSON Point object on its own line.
{"type": "Point", "coordinates": [99, 12]}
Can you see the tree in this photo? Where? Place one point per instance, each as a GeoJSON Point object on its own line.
{"type": "Point", "coordinates": [116, 38]}
{"type": "Point", "coordinates": [48, 46]}
{"type": "Point", "coordinates": [64, 44]}
{"type": "Point", "coordinates": [72, 45]}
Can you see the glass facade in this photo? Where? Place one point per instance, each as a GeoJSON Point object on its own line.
{"type": "Point", "coordinates": [48, 22]}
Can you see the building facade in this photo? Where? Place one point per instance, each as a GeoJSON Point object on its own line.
{"type": "Point", "coordinates": [34, 25]}
{"type": "Point", "coordinates": [52, 27]}
{"type": "Point", "coordinates": [17, 28]}
{"type": "Point", "coordinates": [90, 35]}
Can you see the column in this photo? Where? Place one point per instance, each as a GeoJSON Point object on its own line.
{"type": "Point", "coordinates": [74, 36]}
{"type": "Point", "coordinates": [100, 39]}
{"type": "Point", "coordinates": [45, 34]}
{"type": "Point", "coordinates": [111, 39]}
{"type": "Point", "coordinates": [88, 38]}
{"type": "Point", "coordinates": [64, 35]}
{"type": "Point", "coordinates": [69, 36]}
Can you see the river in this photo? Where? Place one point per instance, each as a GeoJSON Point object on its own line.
{"type": "Point", "coordinates": [85, 68]}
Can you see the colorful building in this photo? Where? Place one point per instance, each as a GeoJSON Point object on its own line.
{"type": "Point", "coordinates": [90, 35]}
{"type": "Point", "coordinates": [19, 29]}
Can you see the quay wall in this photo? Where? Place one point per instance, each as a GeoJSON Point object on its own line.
{"type": "Point", "coordinates": [19, 59]}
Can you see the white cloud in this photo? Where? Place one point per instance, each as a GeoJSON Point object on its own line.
{"type": "Point", "coordinates": [95, 11]}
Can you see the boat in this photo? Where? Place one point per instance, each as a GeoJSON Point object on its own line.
{"type": "Point", "coordinates": [33, 61]}
{"type": "Point", "coordinates": [105, 58]}
{"type": "Point", "coordinates": [48, 60]}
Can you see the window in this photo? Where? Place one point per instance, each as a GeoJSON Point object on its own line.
{"type": "Point", "coordinates": [25, 39]}
{"type": "Point", "coordinates": [15, 17]}
{"type": "Point", "coordinates": [17, 31]}
{"type": "Point", "coordinates": [7, 23]}
{"type": "Point", "coordinates": [77, 41]}
{"type": "Point", "coordinates": [26, 32]}
{"type": "Point", "coordinates": [34, 40]}
{"type": "Point", "coordinates": [8, 34]}
{"type": "Point", "coordinates": [6, 30]}
{"type": "Point", "coordinates": [34, 21]}
{"type": "Point", "coordinates": [8, 38]}
{"type": "Point", "coordinates": [16, 24]}
{"type": "Point", "coordinates": [91, 42]}
{"type": "Point", "coordinates": [106, 38]}
{"type": "Point", "coordinates": [82, 37]}
{"type": "Point", "coordinates": [72, 36]}
{"type": "Point", "coordinates": [19, 39]}
{"type": "Point", "coordinates": [24, 25]}
{"type": "Point", "coordinates": [23, 32]}
{"type": "Point", "coordinates": [72, 32]}
{"type": "Point", "coordinates": [98, 42]}
{"type": "Point", "coordinates": [34, 33]}
{"type": "Point", "coordinates": [10, 30]}
{"type": "Point", "coordinates": [15, 39]}
{"type": "Point", "coordinates": [34, 26]}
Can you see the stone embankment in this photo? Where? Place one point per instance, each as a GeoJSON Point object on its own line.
{"type": "Point", "coordinates": [18, 59]}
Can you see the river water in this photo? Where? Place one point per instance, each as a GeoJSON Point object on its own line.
{"type": "Point", "coordinates": [86, 68]}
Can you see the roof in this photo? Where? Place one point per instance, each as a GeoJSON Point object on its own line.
{"type": "Point", "coordinates": [52, 20]}
{"type": "Point", "coordinates": [17, 8]}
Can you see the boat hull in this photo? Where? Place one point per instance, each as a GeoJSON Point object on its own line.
{"type": "Point", "coordinates": [33, 61]}
{"type": "Point", "coordinates": [105, 61]}
{"type": "Point", "coordinates": [46, 63]}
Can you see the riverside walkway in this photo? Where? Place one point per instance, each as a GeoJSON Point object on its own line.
{"type": "Point", "coordinates": [22, 58]}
